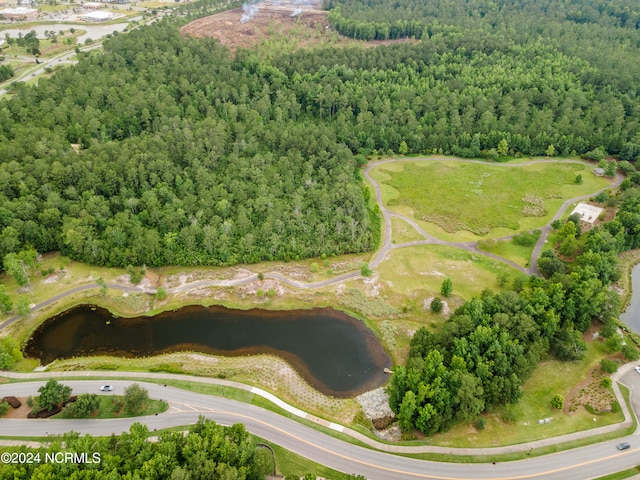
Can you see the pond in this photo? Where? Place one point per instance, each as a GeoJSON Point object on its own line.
{"type": "Point", "coordinates": [631, 316]}
{"type": "Point", "coordinates": [334, 352]}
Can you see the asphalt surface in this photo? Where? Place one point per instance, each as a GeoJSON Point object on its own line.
{"type": "Point", "coordinates": [185, 408]}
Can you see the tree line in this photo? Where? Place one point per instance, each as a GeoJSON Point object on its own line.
{"type": "Point", "coordinates": [208, 451]}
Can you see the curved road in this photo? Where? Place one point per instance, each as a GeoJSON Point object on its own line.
{"type": "Point", "coordinates": [185, 407]}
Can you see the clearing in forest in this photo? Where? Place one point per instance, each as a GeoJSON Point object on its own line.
{"type": "Point", "coordinates": [458, 196]}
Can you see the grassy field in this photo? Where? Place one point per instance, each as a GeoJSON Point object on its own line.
{"type": "Point", "coordinates": [509, 250]}
{"type": "Point", "coordinates": [424, 267]}
{"type": "Point", "coordinates": [482, 199]}
{"type": "Point", "coordinates": [403, 232]}
{"type": "Point", "coordinates": [631, 472]}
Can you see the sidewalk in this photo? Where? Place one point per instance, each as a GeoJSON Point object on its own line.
{"type": "Point", "coordinates": [523, 447]}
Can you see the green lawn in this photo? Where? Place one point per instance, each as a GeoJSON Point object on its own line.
{"type": "Point", "coordinates": [482, 199]}
{"type": "Point", "coordinates": [424, 267]}
{"type": "Point", "coordinates": [509, 250]}
{"type": "Point", "coordinates": [403, 232]}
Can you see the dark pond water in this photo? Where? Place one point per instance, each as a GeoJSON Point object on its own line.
{"type": "Point", "coordinates": [632, 315]}
{"type": "Point", "coordinates": [335, 353]}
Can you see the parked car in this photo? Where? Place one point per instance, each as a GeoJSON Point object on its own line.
{"type": "Point", "coordinates": [637, 367]}
{"type": "Point", "coordinates": [106, 388]}
{"type": "Point", "coordinates": [623, 446]}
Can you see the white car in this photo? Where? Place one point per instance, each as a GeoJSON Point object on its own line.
{"type": "Point", "coordinates": [106, 388]}
{"type": "Point", "coordinates": [637, 367]}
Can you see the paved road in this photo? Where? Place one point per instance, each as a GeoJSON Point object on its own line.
{"type": "Point", "coordinates": [185, 407]}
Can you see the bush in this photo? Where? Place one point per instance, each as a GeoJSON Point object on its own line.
{"type": "Point", "coordinates": [135, 398]}
{"type": "Point", "coordinates": [436, 305]}
{"type": "Point", "coordinates": [608, 366]}
{"type": "Point", "coordinates": [447, 287]}
{"type": "Point", "coordinates": [630, 352]}
{"type": "Point", "coordinates": [135, 275]}
{"type": "Point", "coordinates": [557, 401]}
{"type": "Point", "coordinates": [605, 382]}
{"type": "Point", "coordinates": [511, 413]}
{"type": "Point", "coordinates": [161, 293]}
{"type": "Point", "coordinates": [526, 239]}
{"type": "Point", "coordinates": [614, 343]}
{"type": "Point", "coordinates": [84, 406]}
{"type": "Point", "coordinates": [365, 271]}
{"type": "Point", "coordinates": [480, 423]}
{"type": "Point", "coordinates": [4, 408]}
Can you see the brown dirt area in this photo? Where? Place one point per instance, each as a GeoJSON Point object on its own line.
{"type": "Point", "coordinates": [21, 412]}
{"type": "Point", "coordinates": [227, 28]}
{"type": "Point", "coordinates": [309, 27]}
{"type": "Point", "coordinates": [590, 392]}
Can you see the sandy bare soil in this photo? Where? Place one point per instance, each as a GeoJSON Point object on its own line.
{"type": "Point", "coordinates": [240, 28]}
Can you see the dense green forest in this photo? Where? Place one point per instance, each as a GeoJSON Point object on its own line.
{"type": "Point", "coordinates": [209, 451]}
{"type": "Point", "coordinates": [186, 155]}
{"type": "Point", "coordinates": [490, 346]}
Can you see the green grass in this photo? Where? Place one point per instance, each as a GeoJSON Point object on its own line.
{"type": "Point", "coordinates": [402, 232]}
{"type": "Point", "coordinates": [424, 267]}
{"type": "Point", "coordinates": [289, 463]}
{"type": "Point", "coordinates": [631, 472]}
{"type": "Point", "coordinates": [508, 249]}
{"type": "Point", "coordinates": [480, 198]}
{"type": "Point", "coordinates": [109, 408]}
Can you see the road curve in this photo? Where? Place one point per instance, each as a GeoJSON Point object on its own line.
{"type": "Point", "coordinates": [186, 406]}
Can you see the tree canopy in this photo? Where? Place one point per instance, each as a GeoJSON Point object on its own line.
{"type": "Point", "coordinates": [208, 451]}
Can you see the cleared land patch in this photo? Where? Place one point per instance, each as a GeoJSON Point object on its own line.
{"type": "Point", "coordinates": [423, 267]}
{"type": "Point", "coordinates": [478, 198]}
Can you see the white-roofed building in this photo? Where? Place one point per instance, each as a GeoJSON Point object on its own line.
{"type": "Point", "coordinates": [19, 13]}
{"type": "Point", "coordinates": [97, 16]}
{"type": "Point", "coordinates": [588, 213]}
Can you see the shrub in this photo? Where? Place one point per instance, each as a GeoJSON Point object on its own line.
{"type": "Point", "coordinates": [84, 406]}
{"type": "Point", "coordinates": [605, 383]}
{"type": "Point", "coordinates": [436, 305]}
{"type": "Point", "coordinates": [608, 366]}
{"type": "Point", "coordinates": [511, 413]}
{"type": "Point", "coordinates": [447, 287]}
{"type": "Point", "coordinates": [630, 352]}
{"type": "Point", "coordinates": [135, 398]}
{"type": "Point", "coordinates": [4, 408]}
{"type": "Point", "coordinates": [161, 293]}
{"type": "Point", "coordinates": [480, 423]}
{"type": "Point", "coordinates": [365, 271]}
{"type": "Point", "coordinates": [614, 343]}
{"type": "Point", "coordinates": [557, 401]}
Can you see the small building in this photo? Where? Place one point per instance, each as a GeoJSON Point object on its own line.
{"type": "Point", "coordinates": [19, 13]}
{"type": "Point", "coordinates": [119, 2]}
{"type": "Point", "coordinates": [97, 16]}
{"type": "Point", "coordinates": [92, 5]}
{"type": "Point", "coordinates": [588, 213]}
{"type": "Point", "coordinates": [598, 172]}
